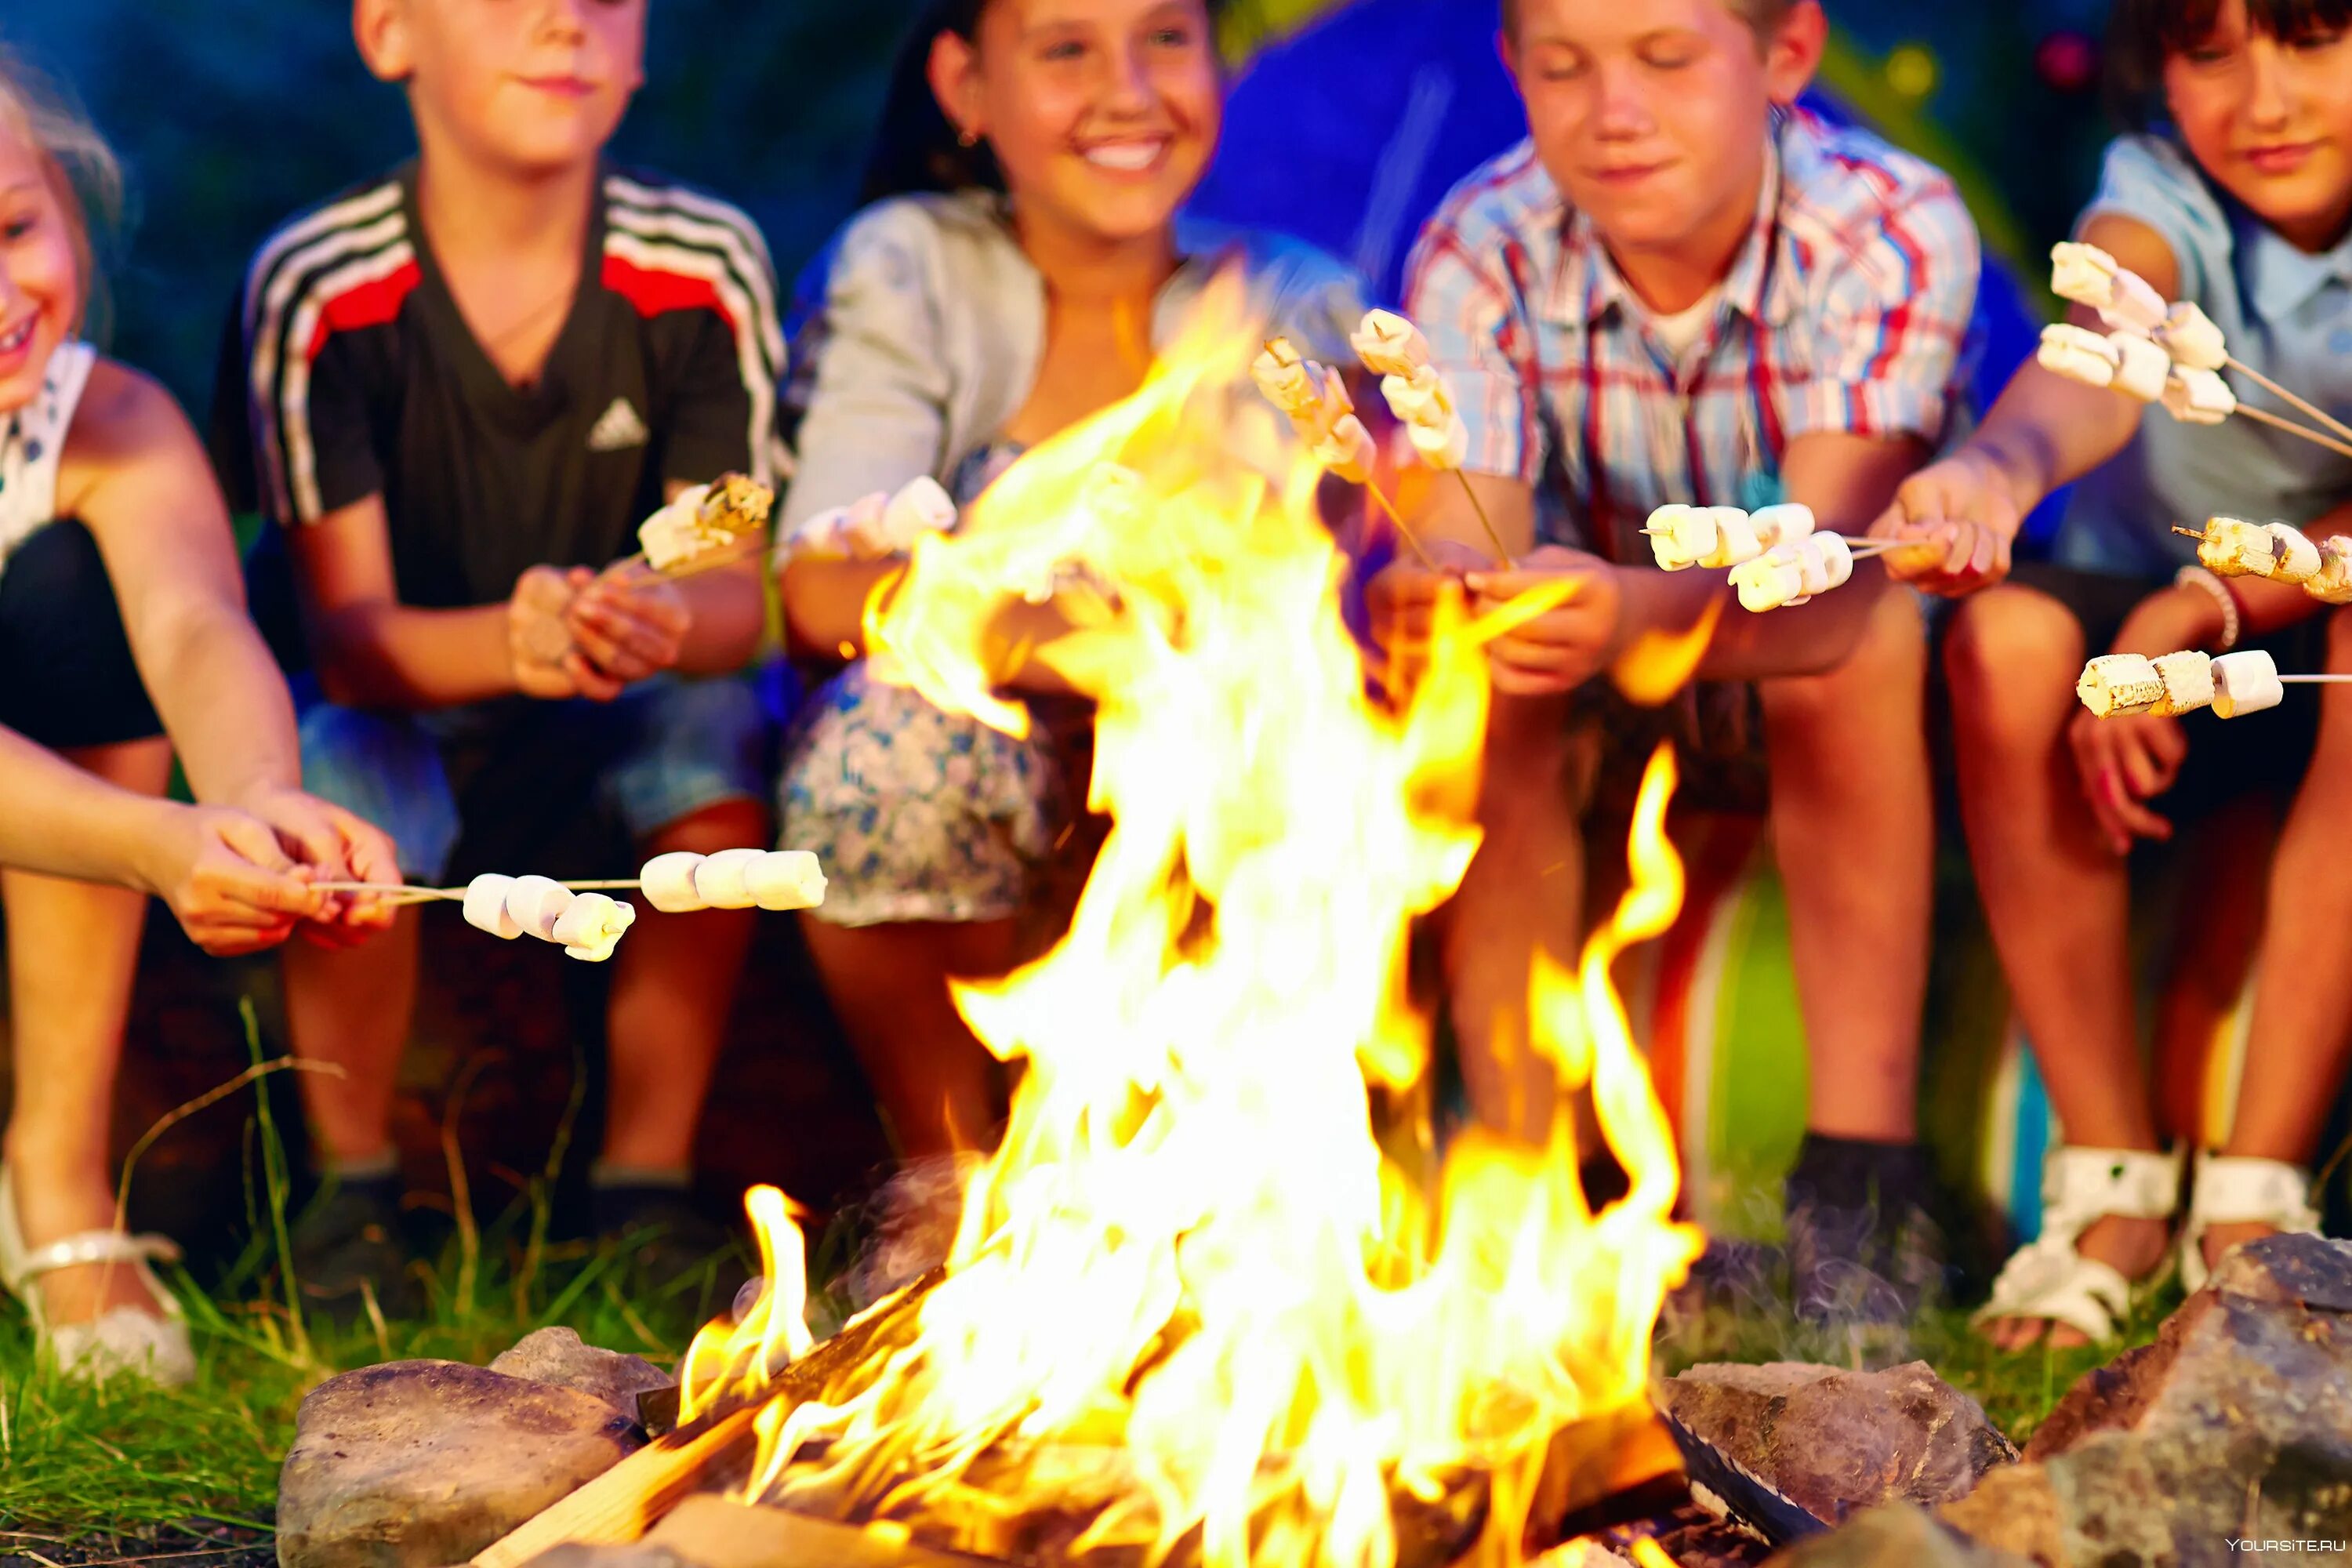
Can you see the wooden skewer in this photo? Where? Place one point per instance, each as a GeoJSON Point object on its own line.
{"type": "Point", "coordinates": [2275, 390]}
{"type": "Point", "coordinates": [1859, 547]}
{"type": "Point", "coordinates": [405, 890]}
{"type": "Point", "coordinates": [2262, 416]}
{"type": "Point", "coordinates": [1404, 528]}
{"type": "Point", "coordinates": [1501, 551]}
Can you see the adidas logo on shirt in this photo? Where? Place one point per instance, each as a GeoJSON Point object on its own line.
{"type": "Point", "coordinates": [618, 428]}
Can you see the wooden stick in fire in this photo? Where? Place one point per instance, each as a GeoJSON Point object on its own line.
{"type": "Point", "coordinates": [1394, 349]}
{"type": "Point", "coordinates": [1318, 404]}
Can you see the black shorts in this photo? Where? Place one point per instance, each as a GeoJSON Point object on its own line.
{"type": "Point", "coordinates": [67, 677]}
{"type": "Point", "coordinates": [2264, 754]}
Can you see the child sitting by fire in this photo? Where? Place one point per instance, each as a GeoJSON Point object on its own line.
{"type": "Point", "coordinates": [1020, 264]}
{"type": "Point", "coordinates": [1685, 290]}
{"type": "Point", "coordinates": [468, 381]}
{"type": "Point", "coordinates": [124, 637]}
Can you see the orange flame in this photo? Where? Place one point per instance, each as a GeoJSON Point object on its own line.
{"type": "Point", "coordinates": [1190, 1262]}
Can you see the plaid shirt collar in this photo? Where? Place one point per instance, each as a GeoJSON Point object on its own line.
{"type": "Point", "coordinates": [1586, 286]}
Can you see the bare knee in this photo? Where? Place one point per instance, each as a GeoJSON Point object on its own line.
{"type": "Point", "coordinates": [2011, 658]}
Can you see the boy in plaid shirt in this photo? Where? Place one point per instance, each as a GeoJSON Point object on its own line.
{"type": "Point", "coordinates": [1683, 288]}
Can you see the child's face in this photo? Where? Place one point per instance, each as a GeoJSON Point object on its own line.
{"type": "Point", "coordinates": [40, 286]}
{"type": "Point", "coordinates": [528, 85]}
{"type": "Point", "coordinates": [2271, 120]}
{"type": "Point", "coordinates": [1651, 115]}
{"type": "Point", "coordinates": [1102, 114]}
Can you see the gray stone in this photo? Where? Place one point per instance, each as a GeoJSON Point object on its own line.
{"type": "Point", "coordinates": [419, 1463]}
{"type": "Point", "coordinates": [1833, 1443]}
{"type": "Point", "coordinates": [1895, 1536]}
{"type": "Point", "coordinates": [559, 1356]}
{"type": "Point", "coordinates": [2236, 1423]}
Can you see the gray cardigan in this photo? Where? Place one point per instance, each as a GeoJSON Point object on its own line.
{"type": "Point", "coordinates": [933, 321]}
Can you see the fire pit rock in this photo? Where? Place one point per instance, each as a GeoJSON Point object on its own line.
{"type": "Point", "coordinates": [560, 1356]}
{"type": "Point", "coordinates": [1833, 1443]}
{"type": "Point", "coordinates": [1896, 1536]}
{"type": "Point", "coordinates": [418, 1463]}
{"type": "Point", "coordinates": [2235, 1424]}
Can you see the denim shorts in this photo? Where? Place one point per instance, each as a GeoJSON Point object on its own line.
{"type": "Point", "coordinates": [664, 750]}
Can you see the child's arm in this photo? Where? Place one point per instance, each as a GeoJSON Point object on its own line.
{"type": "Point", "coordinates": [136, 476]}
{"type": "Point", "coordinates": [2044, 432]}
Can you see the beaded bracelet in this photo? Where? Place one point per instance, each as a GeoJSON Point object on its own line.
{"type": "Point", "coordinates": [2211, 583]}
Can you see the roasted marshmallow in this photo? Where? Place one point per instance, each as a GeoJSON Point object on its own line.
{"type": "Point", "coordinates": [1390, 345]}
{"type": "Point", "coordinates": [2245, 682]}
{"type": "Point", "coordinates": [2120, 683]}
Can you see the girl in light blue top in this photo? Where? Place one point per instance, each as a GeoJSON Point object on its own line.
{"type": "Point", "coordinates": [1021, 261]}
{"type": "Point", "coordinates": [2242, 204]}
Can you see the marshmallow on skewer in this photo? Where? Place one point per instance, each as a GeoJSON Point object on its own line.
{"type": "Point", "coordinates": [1349, 450]}
{"type": "Point", "coordinates": [2135, 306]}
{"type": "Point", "coordinates": [2295, 557]}
{"type": "Point", "coordinates": [2245, 682]}
{"type": "Point", "coordinates": [1735, 538]}
{"type": "Point", "coordinates": [2192, 339]}
{"type": "Point", "coordinates": [920, 507]}
{"type": "Point", "coordinates": [667, 883]}
{"type": "Point", "coordinates": [1835, 556]}
{"type": "Point", "coordinates": [592, 925]}
{"type": "Point", "coordinates": [2083, 273]}
{"type": "Point", "coordinates": [1770, 581]}
{"type": "Point", "coordinates": [851, 532]}
{"type": "Point", "coordinates": [1424, 398]}
{"type": "Point", "coordinates": [2188, 682]}
{"type": "Point", "coordinates": [1282, 374]}
{"type": "Point", "coordinates": [2233, 548]}
{"type": "Point", "coordinates": [2197, 396]}
{"type": "Point", "coordinates": [705, 518]}
{"type": "Point", "coordinates": [1680, 536]}
{"type": "Point", "coordinates": [536, 903]}
{"type": "Point", "coordinates": [2078, 355]}
{"type": "Point", "coordinates": [2332, 582]}
{"type": "Point", "coordinates": [2120, 683]}
{"type": "Point", "coordinates": [1390, 345]}
{"type": "Point", "coordinates": [671, 537]}
{"type": "Point", "coordinates": [2141, 367]}
{"type": "Point", "coordinates": [1446, 447]}
{"type": "Point", "coordinates": [721, 878]}
{"type": "Point", "coordinates": [785, 879]}
{"type": "Point", "coordinates": [1782, 524]}
{"type": "Point", "coordinates": [485, 906]}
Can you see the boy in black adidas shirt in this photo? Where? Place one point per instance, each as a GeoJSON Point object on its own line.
{"type": "Point", "coordinates": [466, 385]}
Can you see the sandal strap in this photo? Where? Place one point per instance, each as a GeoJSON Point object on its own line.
{"type": "Point", "coordinates": [2049, 1279]}
{"type": "Point", "coordinates": [2237, 1189]}
{"type": "Point", "coordinates": [2080, 1185]}
{"type": "Point", "coordinates": [92, 1247]}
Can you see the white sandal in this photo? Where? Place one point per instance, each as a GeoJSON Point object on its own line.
{"type": "Point", "coordinates": [153, 1344]}
{"type": "Point", "coordinates": [2047, 1278]}
{"type": "Point", "coordinates": [2237, 1189]}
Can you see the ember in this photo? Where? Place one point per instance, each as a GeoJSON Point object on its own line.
{"type": "Point", "coordinates": [1208, 1298]}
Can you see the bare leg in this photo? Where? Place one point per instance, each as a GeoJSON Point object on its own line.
{"type": "Point", "coordinates": [2056, 899]}
{"type": "Point", "coordinates": [1523, 894]}
{"type": "Point", "coordinates": [73, 950]}
{"type": "Point", "coordinates": [1854, 829]}
{"type": "Point", "coordinates": [939, 1086]}
{"type": "Point", "coordinates": [672, 988]}
{"type": "Point", "coordinates": [2301, 1034]}
{"type": "Point", "coordinates": [350, 1008]}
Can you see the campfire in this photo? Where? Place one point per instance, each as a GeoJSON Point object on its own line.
{"type": "Point", "coordinates": [1221, 1296]}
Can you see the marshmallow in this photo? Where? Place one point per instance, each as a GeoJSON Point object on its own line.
{"type": "Point", "coordinates": [1771, 580]}
{"type": "Point", "coordinates": [667, 883]}
{"type": "Point", "coordinates": [1347, 451]}
{"type": "Point", "coordinates": [1783, 524]}
{"type": "Point", "coordinates": [1735, 538]}
{"type": "Point", "coordinates": [536, 903]}
{"type": "Point", "coordinates": [1835, 555]}
{"type": "Point", "coordinates": [2192, 339]}
{"type": "Point", "coordinates": [673, 536]}
{"type": "Point", "coordinates": [1421, 399]}
{"type": "Point", "coordinates": [786, 879]}
{"type": "Point", "coordinates": [1813, 566]}
{"type": "Point", "coordinates": [1681, 536]}
{"type": "Point", "coordinates": [485, 906]}
{"type": "Point", "coordinates": [2188, 682]}
{"type": "Point", "coordinates": [2141, 367]}
{"type": "Point", "coordinates": [2295, 558]}
{"type": "Point", "coordinates": [1445, 448]}
{"type": "Point", "coordinates": [592, 927]}
{"type": "Point", "coordinates": [2245, 682]}
{"type": "Point", "coordinates": [719, 879]}
{"type": "Point", "coordinates": [1390, 345]}
{"type": "Point", "coordinates": [2078, 355]}
{"type": "Point", "coordinates": [2234, 549]}
{"type": "Point", "coordinates": [2332, 584]}
{"type": "Point", "coordinates": [920, 507]}
{"type": "Point", "coordinates": [2197, 396]}
{"type": "Point", "coordinates": [2135, 306]}
{"type": "Point", "coordinates": [1283, 376]}
{"type": "Point", "coordinates": [2081, 273]}
{"type": "Point", "coordinates": [2120, 683]}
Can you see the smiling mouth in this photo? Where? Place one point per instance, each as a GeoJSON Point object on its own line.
{"type": "Point", "coordinates": [1628, 174]}
{"type": "Point", "coordinates": [2284, 157]}
{"type": "Point", "coordinates": [1127, 157]}
{"type": "Point", "coordinates": [562, 86]}
{"type": "Point", "coordinates": [17, 336]}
